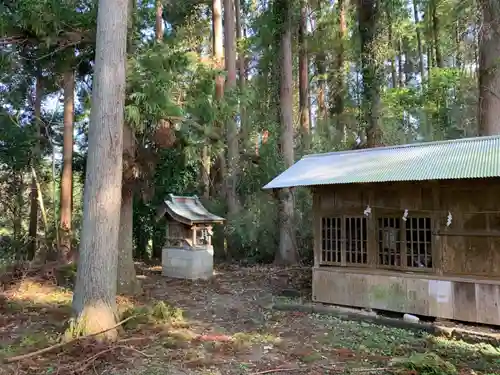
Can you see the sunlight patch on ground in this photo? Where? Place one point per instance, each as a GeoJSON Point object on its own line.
{"type": "Point", "coordinates": [34, 292]}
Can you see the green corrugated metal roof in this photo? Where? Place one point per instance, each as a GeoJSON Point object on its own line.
{"type": "Point", "coordinates": [456, 159]}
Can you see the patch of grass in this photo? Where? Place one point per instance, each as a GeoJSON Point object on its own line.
{"type": "Point", "coordinates": [160, 313]}
{"type": "Point", "coordinates": [30, 342]}
{"type": "Point", "coordinates": [312, 357]}
{"type": "Point", "coordinates": [480, 357]}
{"type": "Point", "coordinates": [425, 364]}
{"type": "Point", "coordinates": [369, 338]}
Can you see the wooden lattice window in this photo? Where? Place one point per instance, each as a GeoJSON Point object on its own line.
{"type": "Point", "coordinates": [405, 244]}
{"type": "Point", "coordinates": [389, 241]}
{"type": "Point", "coordinates": [344, 240]}
{"type": "Point", "coordinates": [419, 242]}
{"type": "Point", "coordinates": [356, 240]}
{"type": "Point", "coordinates": [331, 240]}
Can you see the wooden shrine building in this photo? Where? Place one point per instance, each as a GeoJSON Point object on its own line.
{"type": "Point", "coordinates": [411, 229]}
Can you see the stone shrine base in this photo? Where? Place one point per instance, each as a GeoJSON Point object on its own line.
{"type": "Point", "coordinates": [187, 263]}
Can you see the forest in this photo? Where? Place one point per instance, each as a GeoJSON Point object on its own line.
{"type": "Point", "coordinates": [108, 106]}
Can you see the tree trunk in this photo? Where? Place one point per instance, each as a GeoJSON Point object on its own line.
{"type": "Point", "coordinates": [219, 190]}
{"type": "Point", "coordinates": [141, 234]}
{"type": "Point", "coordinates": [338, 94]}
{"type": "Point", "coordinates": [394, 73]}
{"type": "Point", "coordinates": [458, 45]}
{"type": "Point", "coordinates": [287, 252]}
{"type": "Point", "coordinates": [127, 283]}
{"type": "Point", "coordinates": [65, 249]}
{"type": "Point", "coordinates": [304, 79]}
{"type": "Point", "coordinates": [17, 220]}
{"type": "Point", "coordinates": [368, 19]}
{"type": "Point", "coordinates": [232, 132]}
{"type": "Point", "coordinates": [159, 29]}
{"type": "Point", "coordinates": [419, 40]}
{"type": "Point", "coordinates": [33, 224]}
{"type": "Point", "coordinates": [401, 72]}
{"type": "Point", "coordinates": [127, 280]}
{"type": "Point", "coordinates": [94, 299]}
{"type": "Point", "coordinates": [241, 74]}
{"type": "Point", "coordinates": [435, 34]}
{"type": "Point", "coordinates": [320, 63]}
{"type": "Point", "coordinates": [489, 68]}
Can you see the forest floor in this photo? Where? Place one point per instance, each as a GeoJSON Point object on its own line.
{"type": "Point", "coordinates": [223, 330]}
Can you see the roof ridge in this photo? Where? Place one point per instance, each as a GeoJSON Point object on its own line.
{"type": "Point", "coordinates": [408, 145]}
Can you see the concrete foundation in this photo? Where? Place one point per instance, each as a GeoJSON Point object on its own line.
{"type": "Point", "coordinates": [188, 263]}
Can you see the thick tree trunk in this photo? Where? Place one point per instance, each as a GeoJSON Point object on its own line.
{"type": "Point", "coordinates": [368, 19]}
{"type": "Point", "coordinates": [489, 68]}
{"type": "Point", "coordinates": [65, 249]}
{"type": "Point", "coordinates": [231, 129]}
{"type": "Point", "coordinates": [33, 223]}
{"type": "Point", "coordinates": [94, 299]}
{"type": "Point", "coordinates": [304, 80]}
{"type": "Point", "coordinates": [287, 252]}
{"type": "Point", "coordinates": [127, 280]}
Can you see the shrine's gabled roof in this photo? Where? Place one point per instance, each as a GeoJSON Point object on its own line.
{"type": "Point", "coordinates": [189, 210]}
{"type": "Point", "coordinates": [465, 158]}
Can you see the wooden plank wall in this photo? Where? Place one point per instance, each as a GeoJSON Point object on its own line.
{"type": "Point", "coordinates": [474, 205]}
{"type": "Point", "coordinates": [453, 298]}
{"type": "Point", "coordinates": [465, 282]}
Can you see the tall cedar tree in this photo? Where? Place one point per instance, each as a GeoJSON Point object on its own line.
{"type": "Point", "coordinates": [94, 299]}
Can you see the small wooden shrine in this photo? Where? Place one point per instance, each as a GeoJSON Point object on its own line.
{"type": "Point", "coordinates": [188, 251]}
{"type": "Point", "coordinates": [410, 229]}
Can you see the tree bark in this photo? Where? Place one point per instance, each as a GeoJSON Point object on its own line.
{"type": "Point", "coordinates": [287, 252]}
{"type": "Point", "coordinates": [94, 299]}
{"type": "Point", "coordinates": [435, 33]}
{"type": "Point", "coordinates": [304, 79]}
{"type": "Point", "coordinates": [394, 75]}
{"type": "Point", "coordinates": [368, 23]}
{"type": "Point", "coordinates": [320, 63]}
{"type": "Point", "coordinates": [231, 129]}
{"type": "Point", "coordinates": [159, 29]}
{"type": "Point", "coordinates": [489, 68]}
{"type": "Point", "coordinates": [218, 54]}
{"type": "Point", "coordinates": [65, 248]}
{"type": "Point", "coordinates": [33, 224]}
{"type": "Point", "coordinates": [339, 92]}
{"type": "Point", "coordinates": [419, 40]}
{"type": "Point", "coordinates": [127, 283]}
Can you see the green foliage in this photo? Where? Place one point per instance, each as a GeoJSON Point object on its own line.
{"type": "Point", "coordinates": [159, 313]}
{"type": "Point", "coordinates": [426, 364]}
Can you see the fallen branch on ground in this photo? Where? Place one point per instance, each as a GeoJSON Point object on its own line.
{"type": "Point", "coordinates": [274, 370]}
{"type": "Point", "coordinates": [353, 370]}
{"type": "Point", "coordinates": [91, 360]}
{"type": "Point", "coordinates": [61, 344]}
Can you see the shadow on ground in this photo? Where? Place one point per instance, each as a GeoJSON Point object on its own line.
{"type": "Point", "coordinates": [216, 327]}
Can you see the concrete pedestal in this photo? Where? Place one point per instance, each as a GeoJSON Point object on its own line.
{"type": "Point", "coordinates": [188, 263]}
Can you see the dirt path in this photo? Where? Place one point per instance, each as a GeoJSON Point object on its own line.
{"type": "Point", "coordinates": [224, 331]}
